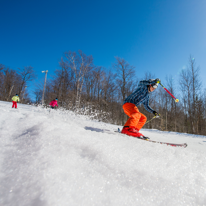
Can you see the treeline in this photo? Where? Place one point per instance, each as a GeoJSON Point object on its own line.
{"type": "Point", "coordinates": [92, 90]}
{"type": "Point", "coordinates": [14, 82]}
{"type": "Point", "coordinates": [88, 89]}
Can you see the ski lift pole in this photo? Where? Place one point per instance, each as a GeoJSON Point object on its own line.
{"type": "Point", "coordinates": [44, 85]}
{"type": "Point", "coordinates": [176, 100]}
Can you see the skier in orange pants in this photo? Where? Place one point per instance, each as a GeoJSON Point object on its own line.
{"type": "Point", "coordinates": [140, 96]}
{"type": "Point", "coordinates": [137, 119]}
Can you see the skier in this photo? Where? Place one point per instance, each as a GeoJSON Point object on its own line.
{"type": "Point", "coordinates": [140, 96]}
{"type": "Point", "coordinates": [14, 100]}
{"type": "Point", "coordinates": [53, 103]}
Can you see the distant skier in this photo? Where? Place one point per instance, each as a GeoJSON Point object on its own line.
{"type": "Point", "coordinates": [53, 103]}
{"type": "Point", "coordinates": [140, 96]}
{"type": "Point", "coordinates": [15, 99]}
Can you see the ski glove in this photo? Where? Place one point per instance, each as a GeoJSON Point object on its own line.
{"type": "Point", "coordinates": [157, 80]}
{"type": "Point", "coordinates": [156, 114]}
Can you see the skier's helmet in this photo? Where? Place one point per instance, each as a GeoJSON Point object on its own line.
{"type": "Point", "coordinates": [56, 99]}
{"type": "Point", "coordinates": [17, 95]}
{"type": "Point", "coordinates": [154, 85]}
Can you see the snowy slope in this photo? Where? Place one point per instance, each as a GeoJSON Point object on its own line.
{"type": "Point", "coordinates": [55, 158]}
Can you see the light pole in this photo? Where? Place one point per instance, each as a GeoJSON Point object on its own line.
{"type": "Point", "coordinates": [44, 85]}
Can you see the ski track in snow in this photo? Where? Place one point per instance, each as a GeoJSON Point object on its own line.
{"type": "Point", "coordinates": [56, 158]}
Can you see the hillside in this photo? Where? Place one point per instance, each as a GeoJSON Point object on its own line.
{"type": "Point", "coordinates": [56, 158]}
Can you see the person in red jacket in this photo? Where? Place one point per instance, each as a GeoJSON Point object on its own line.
{"type": "Point", "coordinates": [53, 103]}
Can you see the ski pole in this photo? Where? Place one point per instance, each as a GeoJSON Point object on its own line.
{"type": "Point", "coordinates": [176, 100]}
{"type": "Point", "coordinates": [151, 119]}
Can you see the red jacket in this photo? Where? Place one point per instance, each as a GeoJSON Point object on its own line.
{"type": "Point", "coordinates": [53, 103]}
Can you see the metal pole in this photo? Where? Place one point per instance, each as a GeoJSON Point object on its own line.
{"type": "Point", "coordinates": [44, 85]}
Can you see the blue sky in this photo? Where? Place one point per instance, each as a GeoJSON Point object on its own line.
{"type": "Point", "coordinates": [156, 36]}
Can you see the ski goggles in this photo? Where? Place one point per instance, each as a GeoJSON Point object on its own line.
{"type": "Point", "coordinates": [155, 86]}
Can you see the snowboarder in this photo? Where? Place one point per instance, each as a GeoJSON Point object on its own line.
{"type": "Point", "coordinates": [14, 100]}
{"type": "Point", "coordinates": [140, 96]}
{"type": "Point", "coordinates": [53, 103]}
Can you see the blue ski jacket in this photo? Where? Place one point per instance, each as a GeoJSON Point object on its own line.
{"type": "Point", "coordinates": [141, 95]}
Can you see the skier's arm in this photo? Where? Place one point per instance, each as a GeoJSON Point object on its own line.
{"type": "Point", "coordinates": [147, 107]}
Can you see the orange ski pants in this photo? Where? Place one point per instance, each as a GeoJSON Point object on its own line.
{"type": "Point", "coordinates": [136, 119]}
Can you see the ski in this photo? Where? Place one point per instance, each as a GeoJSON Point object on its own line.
{"type": "Point", "coordinates": [170, 144]}
{"type": "Point", "coordinates": [149, 140]}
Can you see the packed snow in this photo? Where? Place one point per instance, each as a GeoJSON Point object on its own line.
{"type": "Point", "coordinates": [56, 158]}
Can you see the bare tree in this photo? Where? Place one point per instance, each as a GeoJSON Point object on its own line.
{"type": "Point", "coordinates": [38, 96]}
{"type": "Point", "coordinates": [80, 64]}
{"type": "Point", "coordinates": [10, 82]}
{"type": "Point", "coordinates": [1, 71]}
{"type": "Point", "coordinates": [125, 75]}
{"type": "Point", "coordinates": [190, 85]}
{"type": "Point", "coordinates": [98, 76]}
{"type": "Point", "coordinates": [27, 74]}
{"type": "Point", "coordinates": [1, 80]}
{"type": "Point", "coordinates": [64, 82]}
{"type": "Point", "coordinates": [171, 110]}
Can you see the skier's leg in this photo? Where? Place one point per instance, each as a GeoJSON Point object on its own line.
{"type": "Point", "coordinates": [141, 122]}
{"type": "Point", "coordinates": [134, 115]}
{"type": "Point", "coordinates": [16, 105]}
{"type": "Point", "coordinates": [136, 120]}
{"type": "Point", "coordinates": [13, 104]}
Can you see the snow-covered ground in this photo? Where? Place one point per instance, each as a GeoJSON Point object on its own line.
{"type": "Point", "coordinates": [55, 158]}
